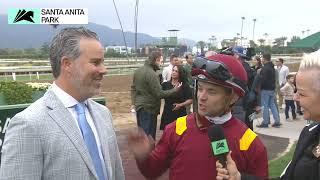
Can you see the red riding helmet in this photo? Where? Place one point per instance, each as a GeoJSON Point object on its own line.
{"type": "Point", "coordinates": [222, 70]}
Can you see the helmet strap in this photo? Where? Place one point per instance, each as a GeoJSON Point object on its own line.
{"type": "Point", "coordinates": [195, 97]}
{"type": "Point", "coordinates": [229, 103]}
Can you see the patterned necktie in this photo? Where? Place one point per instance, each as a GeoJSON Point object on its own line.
{"type": "Point", "coordinates": [90, 140]}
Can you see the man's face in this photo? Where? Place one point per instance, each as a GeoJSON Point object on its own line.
{"type": "Point", "coordinates": [159, 61]}
{"type": "Point", "coordinates": [307, 94]}
{"type": "Point", "coordinates": [211, 99]}
{"type": "Point", "coordinates": [278, 62]}
{"type": "Point", "coordinates": [88, 69]}
{"type": "Point", "coordinates": [264, 61]}
{"type": "Point", "coordinates": [175, 61]}
{"type": "Point", "coordinates": [189, 59]}
{"type": "Point", "coordinates": [255, 62]}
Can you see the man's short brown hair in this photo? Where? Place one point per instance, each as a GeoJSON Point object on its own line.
{"type": "Point", "coordinates": [155, 55]}
{"type": "Point", "coordinates": [281, 60]}
{"type": "Point", "coordinates": [173, 56]}
{"type": "Point", "coordinates": [266, 56]}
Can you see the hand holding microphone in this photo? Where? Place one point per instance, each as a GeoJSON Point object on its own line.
{"type": "Point", "coordinates": [230, 172]}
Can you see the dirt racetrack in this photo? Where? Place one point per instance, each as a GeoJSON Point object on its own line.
{"type": "Point", "coordinates": [116, 89]}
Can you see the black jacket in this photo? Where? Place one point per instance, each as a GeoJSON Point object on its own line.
{"type": "Point", "coordinates": [310, 171]}
{"type": "Point", "coordinates": [268, 77]}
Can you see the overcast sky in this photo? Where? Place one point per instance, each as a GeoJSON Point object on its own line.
{"type": "Point", "coordinates": [196, 19]}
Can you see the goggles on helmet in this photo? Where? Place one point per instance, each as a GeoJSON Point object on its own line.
{"type": "Point", "coordinates": [203, 67]}
{"type": "Point", "coordinates": [214, 68]}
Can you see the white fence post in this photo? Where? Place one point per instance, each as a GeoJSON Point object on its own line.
{"type": "Point", "coordinates": [14, 76]}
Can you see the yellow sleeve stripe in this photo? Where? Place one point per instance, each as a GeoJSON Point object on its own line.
{"type": "Point", "coordinates": [181, 125]}
{"type": "Point", "coordinates": [247, 139]}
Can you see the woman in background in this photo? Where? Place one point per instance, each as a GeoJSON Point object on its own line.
{"type": "Point", "coordinates": [257, 64]}
{"type": "Point", "coordinates": [175, 106]}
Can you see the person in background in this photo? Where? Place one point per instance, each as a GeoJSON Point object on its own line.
{"type": "Point", "coordinates": [253, 96]}
{"type": "Point", "coordinates": [65, 135]}
{"type": "Point", "coordinates": [187, 69]}
{"type": "Point", "coordinates": [288, 91]}
{"type": "Point", "coordinates": [179, 62]}
{"type": "Point", "coordinates": [268, 78]}
{"type": "Point", "coordinates": [146, 93]}
{"type": "Point", "coordinates": [283, 72]}
{"type": "Point", "coordinates": [305, 161]}
{"type": "Point", "coordinates": [256, 85]}
{"type": "Point", "coordinates": [257, 64]}
{"type": "Point", "coordinates": [185, 148]}
{"type": "Point", "coordinates": [175, 106]}
{"type": "Point", "coordinates": [167, 71]}
{"type": "Point", "coordinates": [245, 107]}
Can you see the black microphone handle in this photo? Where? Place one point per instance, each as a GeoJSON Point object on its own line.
{"type": "Point", "coordinates": [222, 159]}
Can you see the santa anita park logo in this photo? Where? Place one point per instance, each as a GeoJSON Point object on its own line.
{"type": "Point", "coordinates": [48, 16]}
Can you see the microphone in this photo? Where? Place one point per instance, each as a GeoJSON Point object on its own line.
{"type": "Point", "coordinates": [219, 144]}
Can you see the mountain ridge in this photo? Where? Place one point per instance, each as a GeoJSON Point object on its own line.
{"type": "Point", "coordinates": [34, 36]}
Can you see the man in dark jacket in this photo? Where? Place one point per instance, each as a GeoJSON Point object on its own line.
{"type": "Point", "coordinates": [146, 93]}
{"type": "Point", "coordinates": [268, 82]}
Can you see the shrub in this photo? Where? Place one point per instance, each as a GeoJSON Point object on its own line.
{"type": "Point", "coordinates": [16, 92]}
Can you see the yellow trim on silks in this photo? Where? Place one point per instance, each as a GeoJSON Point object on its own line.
{"type": "Point", "coordinates": [181, 125]}
{"type": "Point", "coordinates": [246, 139]}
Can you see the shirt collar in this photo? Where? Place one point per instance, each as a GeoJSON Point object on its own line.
{"type": "Point", "coordinates": [66, 99]}
{"type": "Point", "coordinates": [220, 119]}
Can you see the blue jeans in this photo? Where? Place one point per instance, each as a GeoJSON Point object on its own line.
{"type": "Point", "coordinates": [268, 102]}
{"type": "Point", "coordinates": [148, 122]}
{"type": "Point", "coordinates": [290, 104]}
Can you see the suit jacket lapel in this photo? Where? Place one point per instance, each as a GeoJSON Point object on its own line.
{"type": "Point", "coordinates": [98, 120]}
{"type": "Point", "coordinates": [65, 121]}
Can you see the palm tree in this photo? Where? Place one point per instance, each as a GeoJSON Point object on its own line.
{"type": "Point", "coordinates": [295, 38]}
{"type": "Point", "coordinates": [212, 45]}
{"type": "Point", "coordinates": [261, 41]}
{"type": "Point", "coordinates": [201, 45]}
{"type": "Point", "coordinates": [280, 42]}
{"type": "Point", "coordinates": [252, 44]}
{"type": "Point", "coordinates": [224, 43]}
{"type": "Point", "coordinates": [233, 42]}
{"type": "Point", "coordinates": [242, 19]}
{"type": "Point", "coordinates": [265, 38]}
{"type": "Point", "coordinates": [254, 25]}
{"type": "Point", "coordinates": [238, 38]}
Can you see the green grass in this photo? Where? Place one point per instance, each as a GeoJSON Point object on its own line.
{"type": "Point", "coordinates": [277, 166]}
